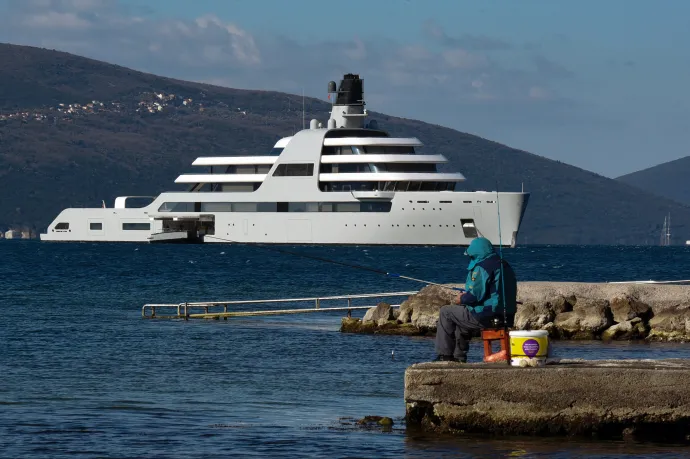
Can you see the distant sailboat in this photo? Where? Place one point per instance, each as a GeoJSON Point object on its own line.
{"type": "Point", "coordinates": [666, 232]}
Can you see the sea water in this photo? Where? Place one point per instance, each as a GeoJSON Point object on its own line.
{"type": "Point", "coordinates": [83, 375]}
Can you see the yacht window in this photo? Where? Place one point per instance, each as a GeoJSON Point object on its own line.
{"type": "Point", "coordinates": [263, 169]}
{"type": "Point", "coordinates": [177, 207]}
{"type": "Point", "coordinates": [62, 226]}
{"type": "Point", "coordinates": [376, 206]}
{"type": "Point", "coordinates": [297, 207]}
{"type": "Point", "coordinates": [348, 207]}
{"type": "Point", "coordinates": [468, 228]}
{"type": "Point", "coordinates": [136, 226]}
{"type": "Point", "coordinates": [244, 207]}
{"type": "Point", "coordinates": [388, 150]}
{"type": "Point", "coordinates": [96, 226]}
{"type": "Point", "coordinates": [294, 170]}
{"type": "Point", "coordinates": [216, 207]}
{"type": "Point", "coordinates": [238, 187]}
{"type": "Point", "coordinates": [266, 206]}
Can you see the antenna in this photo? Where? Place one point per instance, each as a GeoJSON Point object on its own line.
{"type": "Point", "coordinates": [302, 108]}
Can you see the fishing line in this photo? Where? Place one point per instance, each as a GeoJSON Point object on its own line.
{"type": "Point", "coordinates": [336, 262]}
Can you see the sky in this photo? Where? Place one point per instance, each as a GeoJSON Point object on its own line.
{"type": "Point", "coordinates": [598, 84]}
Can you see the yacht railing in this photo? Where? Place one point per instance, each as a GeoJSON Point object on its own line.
{"type": "Point", "coordinates": [209, 308]}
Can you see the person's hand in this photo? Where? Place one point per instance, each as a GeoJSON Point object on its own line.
{"type": "Point", "coordinates": [458, 299]}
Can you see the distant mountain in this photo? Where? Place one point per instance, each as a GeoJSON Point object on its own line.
{"type": "Point", "coordinates": [74, 131]}
{"type": "Point", "coordinates": [670, 180]}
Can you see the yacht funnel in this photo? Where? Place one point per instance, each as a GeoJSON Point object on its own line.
{"type": "Point", "coordinates": [348, 109]}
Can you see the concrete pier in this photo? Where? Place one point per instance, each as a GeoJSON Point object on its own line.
{"type": "Point", "coordinates": [630, 399]}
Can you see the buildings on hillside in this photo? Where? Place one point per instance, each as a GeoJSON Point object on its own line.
{"type": "Point", "coordinates": [17, 234]}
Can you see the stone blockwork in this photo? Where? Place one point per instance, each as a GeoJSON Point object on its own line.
{"type": "Point", "coordinates": [636, 399]}
{"type": "Point", "coordinates": [567, 310]}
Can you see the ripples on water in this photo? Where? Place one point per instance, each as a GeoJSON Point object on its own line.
{"type": "Point", "coordinates": [82, 375]}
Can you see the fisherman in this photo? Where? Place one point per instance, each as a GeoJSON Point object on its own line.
{"type": "Point", "coordinates": [490, 287]}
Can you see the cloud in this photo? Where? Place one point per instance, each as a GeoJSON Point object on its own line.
{"type": "Point", "coordinates": [111, 31]}
{"type": "Point", "coordinates": [410, 79]}
{"type": "Point", "coordinates": [56, 20]}
{"type": "Point", "coordinates": [471, 42]}
{"type": "Point", "coordinates": [550, 69]}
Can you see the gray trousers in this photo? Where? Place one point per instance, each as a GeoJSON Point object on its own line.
{"type": "Point", "coordinates": [456, 326]}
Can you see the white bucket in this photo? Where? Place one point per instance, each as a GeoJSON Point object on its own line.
{"type": "Point", "coordinates": [529, 348]}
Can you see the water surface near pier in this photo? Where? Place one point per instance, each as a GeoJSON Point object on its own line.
{"type": "Point", "coordinates": [82, 375]}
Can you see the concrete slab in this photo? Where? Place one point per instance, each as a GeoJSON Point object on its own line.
{"type": "Point", "coordinates": [639, 399]}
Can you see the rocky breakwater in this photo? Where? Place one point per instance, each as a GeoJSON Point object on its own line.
{"type": "Point", "coordinates": [567, 310]}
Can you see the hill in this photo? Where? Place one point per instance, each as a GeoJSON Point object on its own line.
{"type": "Point", "coordinates": [74, 131]}
{"type": "Point", "coordinates": [670, 180]}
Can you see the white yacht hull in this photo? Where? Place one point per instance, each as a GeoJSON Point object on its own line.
{"type": "Point", "coordinates": [411, 221]}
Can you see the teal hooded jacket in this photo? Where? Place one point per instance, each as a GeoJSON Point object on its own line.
{"type": "Point", "coordinates": [491, 282]}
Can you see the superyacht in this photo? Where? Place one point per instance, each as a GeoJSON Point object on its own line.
{"type": "Point", "coordinates": [348, 182]}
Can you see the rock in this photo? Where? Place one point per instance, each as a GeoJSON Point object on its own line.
{"type": "Point", "coordinates": [562, 304]}
{"type": "Point", "coordinates": [671, 324]}
{"type": "Point", "coordinates": [369, 421]}
{"type": "Point", "coordinates": [625, 308]}
{"type": "Point", "coordinates": [378, 312]}
{"type": "Point", "coordinates": [422, 309]}
{"type": "Point", "coordinates": [391, 327]}
{"type": "Point", "coordinates": [396, 313]}
{"type": "Point", "coordinates": [627, 330]}
{"type": "Point", "coordinates": [385, 422]}
{"type": "Point", "coordinates": [551, 328]}
{"type": "Point", "coordinates": [352, 325]}
{"type": "Point", "coordinates": [533, 316]}
{"type": "Point", "coordinates": [587, 320]}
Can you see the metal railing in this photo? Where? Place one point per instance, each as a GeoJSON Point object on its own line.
{"type": "Point", "coordinates": [182, 310]}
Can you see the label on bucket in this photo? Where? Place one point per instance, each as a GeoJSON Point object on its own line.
{"type": "Point", "coordinates": [530, 347]}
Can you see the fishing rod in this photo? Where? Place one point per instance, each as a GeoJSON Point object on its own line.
{"type": "Point", "coordinates": [500, 257]}
{"type": "Point", "coordinates": [336, 262]}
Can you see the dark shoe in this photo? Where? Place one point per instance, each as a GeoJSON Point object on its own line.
{"type": "Point", "coordinates": [445, 358]}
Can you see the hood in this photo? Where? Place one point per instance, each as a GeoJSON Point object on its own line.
{"type": "Point", "coordinates": [479, 250]}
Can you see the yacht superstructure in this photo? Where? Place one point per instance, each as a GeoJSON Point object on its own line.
{"type": "Point", "coordinates": [348, 182]}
